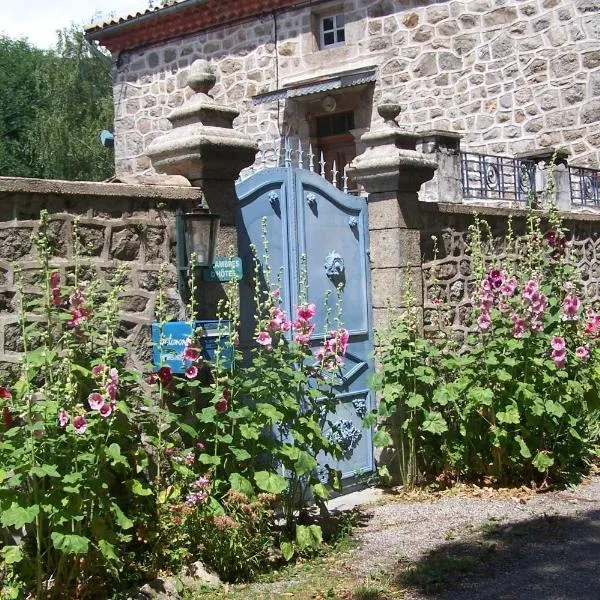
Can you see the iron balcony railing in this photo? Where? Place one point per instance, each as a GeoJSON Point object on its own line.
{"type": "Point", "coordinates": [585, 186]}
{"type": "Point", "coordinates": [487, 177]}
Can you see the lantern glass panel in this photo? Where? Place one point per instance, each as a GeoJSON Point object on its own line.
{"type": "Point", "coordinates": [201, 237]}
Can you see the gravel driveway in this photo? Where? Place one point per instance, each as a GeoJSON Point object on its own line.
{"type": "Point", "coordinates": [487, 545]}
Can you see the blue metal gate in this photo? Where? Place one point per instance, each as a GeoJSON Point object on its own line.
{"type": "Point", "coordinates": [307, 216]}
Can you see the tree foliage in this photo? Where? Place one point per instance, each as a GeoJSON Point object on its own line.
{"type": "Point", "coordinates": [52, 108]}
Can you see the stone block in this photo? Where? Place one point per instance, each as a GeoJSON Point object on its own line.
{"type": "Point", "coordinates": [389, 286]}
{"type": "Point", "coordinates": [395, 248]}
{"type": "Point", "coordinates": [125, 243]}
{"type": "Point", "coordinates": [15, 243]}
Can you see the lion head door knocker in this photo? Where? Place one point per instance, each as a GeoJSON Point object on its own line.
{"type": "Point", "coordinates": [334, 269]}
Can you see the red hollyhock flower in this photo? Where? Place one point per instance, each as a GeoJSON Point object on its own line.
{"type": "Point", "coordinates": [7, 417]}
{"type": "Point", "coordinates": [165, 374]}
{"type": "Point", "coordinates": [5, 393]}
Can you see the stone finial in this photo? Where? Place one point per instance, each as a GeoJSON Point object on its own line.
{"type": "Point", "coordinates": [391, 163]}
{"type": "Point", "coordinates": [389, 110]}
{"type": "Point", "coordinates": [201, 77]}
{"type": "Point", "coordinates": [202, 146]}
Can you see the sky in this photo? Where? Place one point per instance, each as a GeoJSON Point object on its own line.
{"type": "Point", "coordinates": [38, 20]}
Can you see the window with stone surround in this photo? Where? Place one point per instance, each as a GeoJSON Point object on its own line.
{"type": "Point", "coordinates": [332, 30]}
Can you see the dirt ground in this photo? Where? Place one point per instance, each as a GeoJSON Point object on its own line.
{"type": "Point", "coordinates": [467, 543]}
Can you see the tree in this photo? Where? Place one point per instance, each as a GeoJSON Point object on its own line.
{"type": "Point", "coordinates": [52, 108]}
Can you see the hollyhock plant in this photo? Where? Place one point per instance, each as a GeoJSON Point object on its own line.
{"type": "Point", "coordinates": [106, 409]}
{"type": "Point", "coordinates": [264, 339]}
{"type": "Point", "coordinates": [583, 352]}
{"type": "Point", "coordinates": [571, 306]}
{"type": "Point", "coordinates": [63, 418]}
{"type": "Point", "coordinates": [95, 400]}
{"type": "Point", "coordinates": [191, 372]}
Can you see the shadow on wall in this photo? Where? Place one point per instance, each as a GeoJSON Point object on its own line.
{"type": "Point", "coordinates": [550, 557]}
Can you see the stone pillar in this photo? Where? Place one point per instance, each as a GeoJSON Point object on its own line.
{"type": "Point", "coordinates": [446, 185]}
{"type": "Point", "coordinates": [204, 148]}
{"type": "Point", "coordinates": [392, 172]}
{"type": "Point", "coordinates": [551, 161]}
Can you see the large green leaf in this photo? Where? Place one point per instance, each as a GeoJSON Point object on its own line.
{"type": "Point", "coordinates": [287, 550]}
{"type": "Point", "coordinates": [11, 554]}
{"type": "Point", "coordinates": [382, 438]}
{"type": "Point", "coordinates": [138, 489]}
{"type": "Point", "coordinates": [509, 415]}
{"type": "Point", "coordinates": [309, 536]}
{"type": "Point", "coordinates": [240, 483]}
{"type": "Point", "coordinates": [414, 400]}
{"type": "Point", "coordinates": [269, 411]}
{"type": "Point", "coordinates": [542, 462]}
{"type": "Point", "coordinates": [18, 516]}
{"type": "Point", "coordinates": [305, 463]}
{"type": "Point", "coordinates": [122, 520]}
{"type": "Point", "coordinates": [523, 448]}
{"type": "Point", "coordinates": [270, 482]}
{"type": "Point", "coordinates": [70, 543]}
{"type": "Point", "coordinates": [435, 423]}
{"type": "Point", "coordinates": [113, 452]}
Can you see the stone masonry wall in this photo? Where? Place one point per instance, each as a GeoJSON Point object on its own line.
{"type": "Point", "coordinates": [121, 224]}
{"type": "Point", "coordinates": [451, 273]}
{"type": "Point", "coordinates": [510, 77]}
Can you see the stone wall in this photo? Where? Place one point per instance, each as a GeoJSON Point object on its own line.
{"type": "Point", "coordinates": [449, 276]}
{"type": "Point", "coordinates": [510, 77]}
{"type": "Point", "coordinates": [120, 224]}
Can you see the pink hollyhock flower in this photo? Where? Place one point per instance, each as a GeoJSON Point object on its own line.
{"type": "Point", "coordinates": [191, 372]}
{"type": "Point", "coordinates": [221, 405]}
{"type": "Point", "coordinates": [558, 343]}
{"type": "Point", "coordinates": [519, 328]}
{"type": "Point", "coordinates": [302, 338]}
{"type": "Point", "coordinates": [559, 357]}
{"type": "Point", "coordinates": [79, 424]}
{"type": "Point", "coordinates": [78, 316]}
{"type": "Point", "coordinates": [264, 339]}
{"type": "Point", "coordinates": [508, 287]}
{"type": "Point", "coordinates": [484, 322]}
{"type": "Point", "coordinates": [583, 352]}
{"type": "Point", "coordinates": [344, 338]}
{"type": "Point", "coordinates": [95, 400]}
{"type": "Point", "coordinates": [536, 325]}
{"type": "Point", "coordinates": [529, 290]}
{"type": "Point", "coordinates": [571, 306]}
{"type": "Point", "coordinates": [539, 302]}
{"type": "Point", "coordinates": [165, 374]}
{"type": "Point", "coordinates": [199, 446]}
{"type": "Point", "coordinates": [114, 375]}
{"type": "Point", "coordinates": [486, 286]}
{"type": "Point", "coordinates": [98, 370]}
{"type": "Point", "coordinates": [276, 293]}
{"type": "Point", "coordinates": [307, 312]}
{"type": "Point", "coordinates": [106, 409]}
{"type": "Point", "coordinates": [76, 299]}
{"type": "Point", "coordinates": [54, 279]}
{"type": "Point", "coordinates": [111, 390]}
{"type": "Point", "coordinates": [63, 417]}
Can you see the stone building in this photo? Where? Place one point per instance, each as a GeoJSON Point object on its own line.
{"type": "Point", "coordinates": [511, 77]}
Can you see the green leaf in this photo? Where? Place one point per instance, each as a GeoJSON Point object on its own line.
{"type": "Point", "coordinates": [554, 408]}
{"type": "Point", "coordinates": [249, 432]}
{"type": "Point", "coordinates": [481, 395]}
{"type": "Point", "coordinates": [370, 420]}
{"type": "Point", "coordinates": [523, 448]}
{"type": "Point", "coordinates": [414, 400]}
{"type": "Point", "coordinates": [434, 422]}
{"type": "Point", "coordinates": [17, 516]}
{"type": "Point", "coordinates": [123, 521]}
{"type": "Point", "coordinates": [114, 453]}
{"type": "Point", "coordinates": [510, 415]}
{"type": "Point", "coordinates": [108, 551]}
{"type": "Point", "coordinates": [138, 489]}
{"type": "Point", "coordinates": [542, 462]}
{"type": "Point", "coordinates": [188, 429]}
{"type": "Point", "coordinates": [287, 550]}
{"type": "Point", "coordinates": [70, 543]}
{"type": "Point", "coordinates": [384, 473]}
{"type": "Point", "coordinates": [503, 375]}
{"type": "Point", "coordinates": [305, 463]}
{"type": "Point", "coordinates": [445, 394]}
{"type": "Point", "coordinates": [44, 471]}
{"type": "Point", "coordinates": [269, 411]}
{"type": "Point", "coordinates": [382, 438]}
{"type": "Point", "coordinates": [209, 459]}
{"type": "Point", "coordinates": [11, 554]}
{"type": "Point", "coordinates": [320, 491]}
{"type": "Point", "coordinates": [241, 484]}
{"type": "Point", "coordinates": [309, 536]}
{"type": "Point", "coordinates": [270, 482]}
{"type": "Point", "coordinates": [240, 453]}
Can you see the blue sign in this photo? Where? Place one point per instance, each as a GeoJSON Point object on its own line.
{"type": "Point", "coordinates": [168, 348]}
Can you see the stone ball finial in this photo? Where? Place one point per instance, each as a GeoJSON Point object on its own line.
{"type": "Point", "coordinates": [201, 77]}
{"type": "Point", "coordinates": [389, 110]}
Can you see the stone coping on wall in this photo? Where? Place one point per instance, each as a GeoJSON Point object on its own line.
{"type": "Point", "coordinates": [590, 215]}
{"type": "Point", "coordinates": [22, 185]}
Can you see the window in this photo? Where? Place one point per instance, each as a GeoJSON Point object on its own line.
{"type": "Point", "coordinates": [335, 124]}
{"type": "Point", "coordinates": [332, 30]}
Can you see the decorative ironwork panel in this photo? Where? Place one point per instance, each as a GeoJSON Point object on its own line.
{"type": "Point", "coordinates": [487, 177]}
{"type": "Point", "coordinates": [585, 186]}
